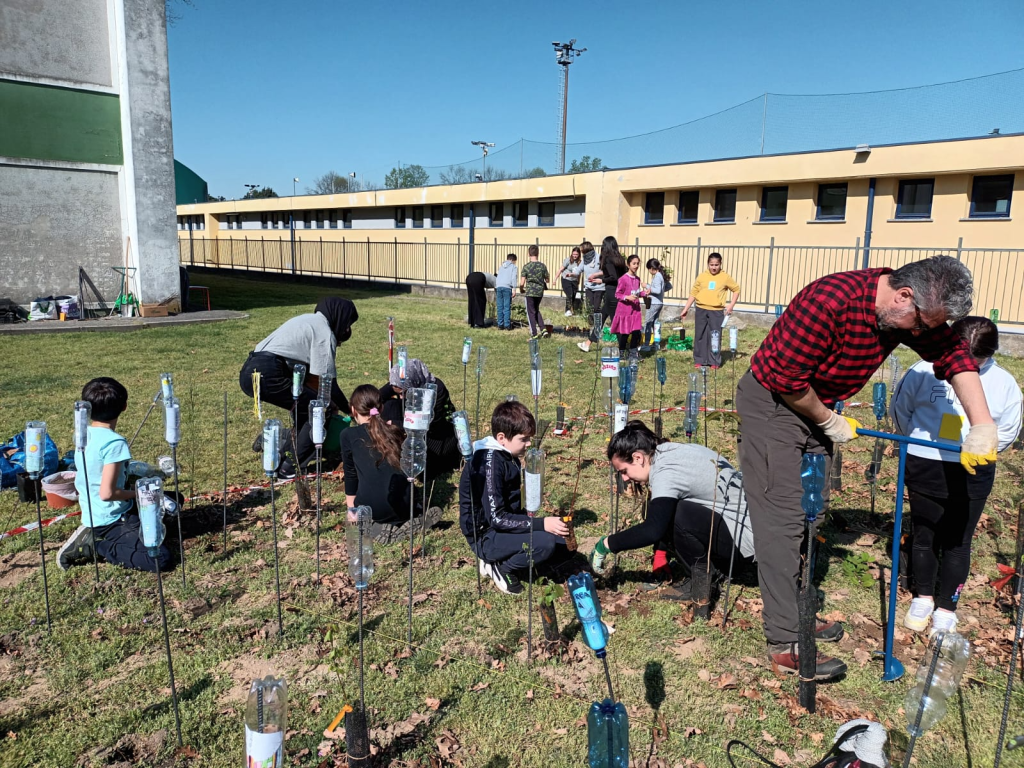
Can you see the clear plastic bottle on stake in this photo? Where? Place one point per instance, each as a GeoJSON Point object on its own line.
{"type": "Point", "coordinates": [733, 339]}
{"type": "Point", "coordinates": [481, 359]}
{"type": "Point", "coordinates": [266, 720]}
{"type": "Point", "coordinates": [35, 448]}
{"type": "Point", "coordinates": [298, 378]}
{"type": "Point", "coordinates": [166, 386]}
{"type": "Point", "coordinates": [662, 366]}
{"type": "Point", "coordinates": [324, 393]}
{"type": "Point", "coordinates": [403, 361]}
{"type": "Point", "coordinates": [716, 343]}
{"type": "Point", "coordinates": [461, 421]}
{"type": "Point", "coordinates": [317, 422]}
{"type": "Point", "coordinates": [924, 710]}
{"type": "Point", "coordinates": [172, 421]}
{"type": "Point", "coordinates": [271, 446]}
{"type": "Point", "coordinates": [149, 493]}
{"type": "Point", "coordinates": [83, 415]}
{"type": "Point", "coordinates": [535, 373]}
{"type": "Point", "coordinates": [692, 407]}
{"type": "Point", "coordinates": [360, 546]}
{"type": "Point", "coordinates": [657, 333]}
{"type": "Point", "coordinates": [609, 363]}
{"type": "Point", "coordinates": [534, 482]}
{"type": "Point", "coordinates": [419, 406]}
{"type": "Point", "coordinates": [467, 349]}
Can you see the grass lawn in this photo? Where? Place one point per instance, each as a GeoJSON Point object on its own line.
{"type": "Point", "coordinates": [95, 691]}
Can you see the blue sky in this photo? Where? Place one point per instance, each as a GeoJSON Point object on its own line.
{"type": "Point", "coordinates": [264, 91]}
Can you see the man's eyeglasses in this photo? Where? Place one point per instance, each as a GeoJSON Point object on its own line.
{"type": "Point", "coordinates": [919, 324]}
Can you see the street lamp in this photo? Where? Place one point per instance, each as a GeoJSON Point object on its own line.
{"type": "Point", "coordinates": [294, 182]}
{"type": "Point", "coordinates": [352, 184]}
{"type": "Point", "coordinates": [252, 189]}
{"type": "Point", "coordinates": [485, 146]}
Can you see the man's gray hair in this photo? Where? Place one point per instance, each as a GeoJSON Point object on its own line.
{"type": "Point", "coordinates": [940, 284]}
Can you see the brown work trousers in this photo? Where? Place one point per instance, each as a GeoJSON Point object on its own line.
{"type": "Point", "coordinates": [773, 438]}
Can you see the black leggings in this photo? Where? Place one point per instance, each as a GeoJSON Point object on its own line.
{"type": "Point", "coordinates": [629, 341]}
{"type": "Point", "coordinates": [569, 289]}
{"type": "Point", "coordinates": [693, 531]}
{"type": "Point", "coordinates": [943, 527]}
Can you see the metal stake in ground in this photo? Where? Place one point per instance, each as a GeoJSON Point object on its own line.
{"type": "Point", "coordinates": [662, 367]}
{"type": "Point", "coordinates": [467, 349]}
{"type": "Point", "coordinates": [704, 401]}
{"type": "Point", "coordinates": [461, 421]}
{"type": "Point", "coordinates": [535, 376]}
{"type": "Point", "coordinates": [152, 405]}
{"type": "Point", "coordinates": [149, 492]}
{"type": "Point", "coordinates": [318, 433]}
{"type": "Point", "coordinates": [391, 344]}
{"type": "Point", "coordinates": [737, 534]}
{"type": "Point", "coordinates": [812, 478]}
{"type": "Point", "coordinates": [836, 478]}
{"type": "Point", "coordinates": [560, 409]}
{"type": "Point", "coordinates": [878, 398]}
{"type": "Point", "coordinates": [414, 461]}
{"type": "Point", "coordinates": [610, 364]}
{"type": "Point", "coordinates": [35, 448]}
{"type": "Point", "coordinates": [225, 499]}
{"type": "Point", "coordinates": [83, 415]}
{"type": "Point", "coordinates": [1013, 665]}
{"type": "Point", "coordinates": [360, 557]}
{"type": "Point", "coordinates": [172, 434]}
{"type": "Point", "coordinates": [271, 462]}
{"type": "Point", "coordinates": [432, 387]}
{"type": "Point", "coordinates": [481, 358]}
{"type": "Point", "coordinates": [534, 482]}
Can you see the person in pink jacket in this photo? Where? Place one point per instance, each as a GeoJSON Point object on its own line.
{"type": "Point", "coordinates": [628, 320]}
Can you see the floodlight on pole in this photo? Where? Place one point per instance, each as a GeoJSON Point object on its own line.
{"type": "Point", "coordinates": [485, 146]}
{"type": "Point", "coordinates": [564, 55]}
{"type": "Point", "coordinates": [294, 182]}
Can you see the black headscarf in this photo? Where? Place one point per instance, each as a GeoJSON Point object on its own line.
{"type": "Point", "coordinates": [340, 314]}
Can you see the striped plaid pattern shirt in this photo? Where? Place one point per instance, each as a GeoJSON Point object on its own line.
{"type": "Point", "coordinates": [828, 340]}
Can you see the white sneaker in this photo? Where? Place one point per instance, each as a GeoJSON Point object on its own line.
{"type": "Point", "coordinates": [582, 346]}
{"type": "Point", "coordinates": [486, 569]}
{"type": "Point", "coordinates": [943, 621]}
{"type": "Point", "coordinates": [568, 313]}
{"type": "Point", "coordinates": [919, 614]}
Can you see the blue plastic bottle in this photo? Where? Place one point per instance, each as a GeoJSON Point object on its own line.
{"type": "Point", "coordinates": [607, 735]}
{"type": "Point", "coordinates": [692, 411]}
{"type": "Point", "coordinates": [812, 478]}
{"type": "Point", "coordinates": [662, 370]}
{"type": "Point", "coordinates": [588, 611]}
{"type": "Point", "coordinates": [878, 397]}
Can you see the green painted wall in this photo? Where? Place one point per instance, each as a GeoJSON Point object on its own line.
{"type": "Point", "coordinates": [42, 122]}
{"type": "Point", "coordinates": [189, 187]}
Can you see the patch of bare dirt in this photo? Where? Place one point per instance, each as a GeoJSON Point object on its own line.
{"type": "Point", "coordinates": [242, 670]}
{"type": "Point", "coordinates": [15, 568]}
{"type": "Point", "coordinates": [129, 751]}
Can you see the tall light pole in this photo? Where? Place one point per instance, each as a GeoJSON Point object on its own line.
{"type": "Point", "coordinates": [294, 182]}
{"type": "Point", "coordinates": [564, 55]}
{"type": "Point", "coordinates": [352, 184]}
{"type": "Point", "coordinates": [485, 146]}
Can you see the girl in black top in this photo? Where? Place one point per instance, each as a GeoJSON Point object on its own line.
{"type": "Point", "coordinates": [442, 444]}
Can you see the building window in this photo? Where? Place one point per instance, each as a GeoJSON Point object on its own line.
{"type": "Point", "coordinates": [831, 202]}
{"type": "Point", "coordinates": [914, 199]}
{"type": "Point", "coordinates": [457, 215]}
{"type": "Point", "coordinates": [306, 219]}
{"type": "Point", "coordinates": [400, 217]}
{"type": "Point", "coordinates": [773, 203]}
{"type": "Point", "coordinates": [417, 217]}
{"type": "Point", "coordinates": [200, 222]}
{"type": "Point", "coordinates": [283, 221]}
{"type": "Point", "coordinates": [264, 221]}
{"type": "Point", "coordinates": [546, 214]}
{"type": "Point", "coordinates": [497, 214]}
{"type": "Point", "coordinates": [437, 216]}
{"type": "Point", "coordinates": [520, 213]}
{"type": "Point", "coordinates": [990, 197]}
{"type": "Point", "coordinates": [654, 208]}
{"type": "Point", "coordinates": [346, 218]}
{"type": "Point", "coordinates": [687, 210]}
{"type": "Point", "coordinates": [334, 219]}
{"type": "Point", "coordinates": [725, 205]}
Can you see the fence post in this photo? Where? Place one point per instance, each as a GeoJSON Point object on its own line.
{"type": "Point", "coordinates": [191, 247]}
{"type": "Point", "coordinates": [472, 240]}
{"type": "Point", "coordinates": [959, 248]}
{"type": "Point", "coordinates": [768, 282]}
{"type": "Point", "coordinates": [697, 260]}
{"type": "Point", "coordinates": [396, 261]}
{"type": "Point", "coordinates": [263, 249]}
{"type": "Point", "coordinates": [458, 256]}
{"type": "Point", "coordinates": [425, 260]}
{"type": "Point", "coordinates": [856, 251]}
{"type": "Point", "coordinates": [367, 258]}
{"type": "Point", "coordinates": [246, 253]}
{"type": "Point", "coordinates": [344, 258]}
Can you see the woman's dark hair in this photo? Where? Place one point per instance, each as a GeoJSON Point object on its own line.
{"type": "Point", "coordinates": [511, 419]}
{"type": "Point", "coordinates": [980, 333]}
{"type": "Point", "coordinates": [611, 260]}
{"type": "Point", "coordinates": [635, 436]}
{"type": "Point", "coordinates": [386, 438]}
{"type": "Point", "coordinates": [108, 398]}
{"type": "Point", "coordinates": [655, 264]}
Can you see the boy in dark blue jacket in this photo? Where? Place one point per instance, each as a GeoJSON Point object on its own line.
{"type": "Point", "coordinates": [490, 486]}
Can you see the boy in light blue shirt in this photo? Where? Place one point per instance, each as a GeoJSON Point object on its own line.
{"type": "Point", "coordinates": [110, 520]}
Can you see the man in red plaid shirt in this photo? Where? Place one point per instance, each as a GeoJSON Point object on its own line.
{"type": "Point", "coordinates": [825, 347]}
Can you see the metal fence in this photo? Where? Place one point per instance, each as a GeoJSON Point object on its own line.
{"type": "Point", "coordinates": [768, 275]}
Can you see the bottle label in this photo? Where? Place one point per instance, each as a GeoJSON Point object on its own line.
{"type": "Point", "coordinates": [533, 492]}
{"type": "Point", "coordinates": [34, 437]}
{"type": "Point", "coordinates": [535, 381]}
{"type": "Point", "coordinates": [621, 414]}
{"type": "Point", "coordinates": [467, 347]}
{"type": "Point", "coordinates": [416, 421]}
{"type": "Point", "coordinates": [657, 330]}
{"type": "Point", "coordinates": [609, 368]}
{"type": "Point", "coordinates": [81, 428]}
{"type": "Point", "coordinates": [317, 426]}
{"type": "Point", "coordinates": [166, 388]}
{"type": "Point", "coordinates": [462, 431]}
{"type": "Point", "coordinates": [264, 750]}
{"type": "Point", "coordinates": [172, 425]}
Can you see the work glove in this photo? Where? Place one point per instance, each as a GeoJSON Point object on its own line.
{"type": "Point", "coordinates": [598, 556]}
{"type": "Point", "coordinates": [840, 429]}
{"type": "Point", "coordinates": [980, 446]}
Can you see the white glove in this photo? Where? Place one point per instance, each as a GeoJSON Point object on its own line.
{"type": "Point", "coordinates": [980, 446]}
{"type": "Point", "coordinates": [840, 429]}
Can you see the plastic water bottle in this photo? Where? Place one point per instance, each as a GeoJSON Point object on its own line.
{"type": "Point", "coordinates": [716, 342]}
{"type": "Point", "coordinates": [511, 399]}
{"type": "Point", "coordinates": [692, 411]}
{"type": "Point", "coordinates": [149, 494]}
{"type": "Point", "coordinates": [627, 383]}
{"type": "Point", "coordinates": [324, 394]}
{"type": "Point", "coordinates": [266, 718]}
{"type": "Point", "coordinates": [588, 611]}
{"type": "Point", "coordinates": [535, 368]}
{"type": "Point", "coordinates": [609, 363]}
{"type": "Point", "coordinates": [419, 409]}
{"type": "Point", "coordinates": [657, 331]}
{"type": "Point", "coordinates": [172, 421]}
{"type": "Point", "coordinates": [481, 358]}
{"type": "Point", "coordinates": [461, 421]}
{"type": "Point", "coordinates": [318, 422]}
{"type": "Point", "coordinates": [166, 386]}
{"type": "Point", "coordinates": [432, 386]}
{"type": "Point", "coordinates": [35, 447]}
{"type": "Point", "coordinates": [953, 653]}
{"type": "Point", "coordinates": [534, 480]}
{"type": "Point", "coordinates": [83, 414]}
{"type": "Point", "coordinates": [812, 478]}
{"type": "Point", "coordinates": [607, 735]}
{"type": "Point", "coordinates": [662, 366]}
{"type": "Point", "coordinates": [878, 398]}
{"type": "Point", "coordinates": [733, 339]}
{"type": "Point", "coordinates": [360, 547]}
{"type": "Point", "coordinates": [403, 361]}
{"type": "Point", "coordinates": [414, 455]}
{"type": "Point", "coordinates": [271, 446]}
{"type": "Point", "coordinates": [561, 359]}
{"type": "Point", "coordinates": [467, 348]}
{"type": "Point", "coordinates": [298, 377]}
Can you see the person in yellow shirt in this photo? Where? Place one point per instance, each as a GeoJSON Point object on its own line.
{"type": "Point", "coordinates": [709, 291]}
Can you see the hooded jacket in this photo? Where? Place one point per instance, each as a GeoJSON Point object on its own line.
{"type": "Point", "coordinates": [590, 266]}
{"type": "Point", "coordinates": [490, 487]}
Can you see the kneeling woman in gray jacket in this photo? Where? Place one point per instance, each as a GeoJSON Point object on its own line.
{"type": "Point", "coordinates": [696, 502]}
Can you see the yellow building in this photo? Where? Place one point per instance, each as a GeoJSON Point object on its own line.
{"type": "Point", "coordinates": [780, 220]}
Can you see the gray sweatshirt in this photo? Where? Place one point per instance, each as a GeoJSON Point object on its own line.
{"type": "Point", "coordinates": [508, 275]}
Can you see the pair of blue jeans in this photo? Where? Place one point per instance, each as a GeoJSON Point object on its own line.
{"type": "Point", "coordinates": [503, 298]}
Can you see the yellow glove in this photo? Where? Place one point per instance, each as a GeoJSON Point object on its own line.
{"type": "Point", "coordinates": [979, 447]}
{"type": "Point", "coordinates": [840, 429]}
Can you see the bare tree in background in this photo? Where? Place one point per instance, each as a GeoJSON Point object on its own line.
{"type": "Point", "coordinates": [174, 9]}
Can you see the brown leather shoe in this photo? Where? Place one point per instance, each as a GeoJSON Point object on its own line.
{"type": "Point", "coordinates": [786, 661]}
